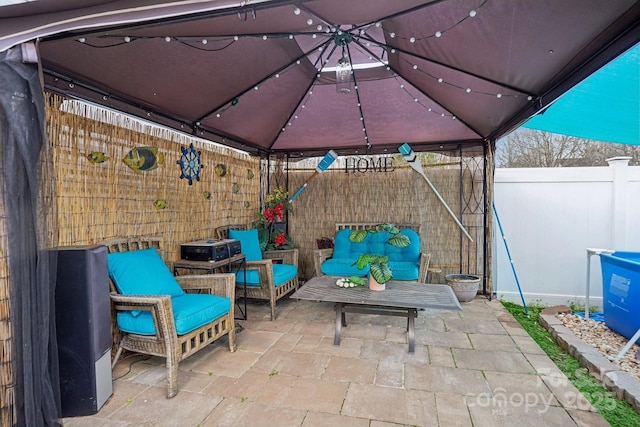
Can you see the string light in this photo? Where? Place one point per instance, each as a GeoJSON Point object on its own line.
{"type": "Point", "coordinates": [439, 33]}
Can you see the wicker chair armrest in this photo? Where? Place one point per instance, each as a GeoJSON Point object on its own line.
{"type": "Point", "coordinates": [424, 267]}
{"type": "Point", "coordinates": [288, 256]}
{"type": "Point", "coordinates": [159, 306]}
{"type": "Point", "coordinates": [221, 284]}
{"type": "Point", "coordinates": [320, 256]}
{"type": "Point", "coordinates": [140, 302]}
{"type": "Point", "coordinates": [259, 265]}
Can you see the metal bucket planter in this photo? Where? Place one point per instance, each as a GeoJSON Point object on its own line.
{"type": "Point", "coordinates": [464, 286]}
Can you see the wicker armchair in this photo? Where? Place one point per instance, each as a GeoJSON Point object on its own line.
{"type": "Point", "coordinates": [321, 255]}
{"type": "Point", "coordinates": [267, 289]}
{"type": "Point", "coordinates": [166, 342]}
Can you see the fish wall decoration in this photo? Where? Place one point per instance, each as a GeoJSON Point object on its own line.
{"type": "Point", "coordinates": [97, 157]}
{"type": "Point", "coordinates": [143, 159]}
{"type": "Point", "coordinates": [220, 169]}
{"type": "Point", "coordinates": [160, 204]}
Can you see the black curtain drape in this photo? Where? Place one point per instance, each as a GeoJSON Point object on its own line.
{"type": "Point", "coordinates": [26, 170]}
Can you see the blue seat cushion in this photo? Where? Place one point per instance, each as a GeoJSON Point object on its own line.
{"type": "Point", "coordinates": [342, 267]}
{"type": "Point", "coordinates": [190, 311]}
{"type": "Point", "coordinates": [404, 270]}
{"type": "Point", "coordinates": [142, 273]}
{"type": "Point", "coordinates": [249, 243]}
{"type": "Point", "coordinates": [281, 273]}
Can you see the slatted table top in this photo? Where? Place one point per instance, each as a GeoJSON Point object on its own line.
{"type": "Point", "coordinates": [397, 294]}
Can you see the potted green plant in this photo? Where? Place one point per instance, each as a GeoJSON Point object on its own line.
{"type": "Point", "coordinates": [379, 269]}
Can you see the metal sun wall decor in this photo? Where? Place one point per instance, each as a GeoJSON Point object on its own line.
{"type": "Point", "coordinates": [190, 164]}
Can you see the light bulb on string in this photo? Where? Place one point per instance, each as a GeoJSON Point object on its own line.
{"type": "Point", "coordinates": [343, 73]}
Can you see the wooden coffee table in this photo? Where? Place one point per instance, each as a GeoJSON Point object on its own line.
{"type": "Point", "coordinates": [398, 299]}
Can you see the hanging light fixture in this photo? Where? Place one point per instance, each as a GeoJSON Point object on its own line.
{"type": "Point", "coordinates": [343, 76]}
{"type": "Point", "coordinates": [344, 69]}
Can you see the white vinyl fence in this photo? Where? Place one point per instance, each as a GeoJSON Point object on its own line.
{"type": "Point", "coordinates": [550, 216]}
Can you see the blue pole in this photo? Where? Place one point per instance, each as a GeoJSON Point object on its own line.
{"type": "Point", "coordinates": [513, 268]}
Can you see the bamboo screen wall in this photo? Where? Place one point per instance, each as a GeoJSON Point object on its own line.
{"type": "Point", "coordinates": [98, 201]}
{"type": "Point", "coordinates": [7, 399]}
{"type": "Point", "coordinates": [399, 195]}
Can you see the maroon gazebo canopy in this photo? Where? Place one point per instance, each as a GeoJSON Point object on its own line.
{"type": "Point", "coordinates": [260, 75]}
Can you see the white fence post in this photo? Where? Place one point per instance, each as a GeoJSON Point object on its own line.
{"type": "Point", "coordinates": [620, 175]}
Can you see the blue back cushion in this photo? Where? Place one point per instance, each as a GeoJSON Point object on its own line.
{"type": "Point", "coordinates": [376, 243]}
{"type": "Point", "coordinates": [249, 243]}
{"type": "Point", "coordinates": [142, 273]}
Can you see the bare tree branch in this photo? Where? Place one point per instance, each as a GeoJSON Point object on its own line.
{"type": "Point", "coordinates": [527, 148]}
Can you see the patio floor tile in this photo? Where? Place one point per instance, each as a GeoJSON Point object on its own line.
{"type": "Point", "coordinates": [493, 342]}
{"type": "Point", "coordinates": [444, 380]}
{"type": "Point", "coordinates": [452, 410]}
{"type": "Point", "coordinates": [349, 369]}
{"type": "Point", "coordinates": [318, 419]}
{"type": "Point", "coordinates": [492, 360]}
{"type": "Point", "coordinates": [150, 408]}
{"type": "Point", "coordinates": [441, 356]}
{"type": "Point", "coordinates": [316, 395]}
{"type": "Point", "coordinates": [234, 412]}
{"type": "Point", "coordinates": [309, 365]}
{"type": "Point", "coordinates": [412, 407]}
{"type": "Point", "coordinates": [228, 364]}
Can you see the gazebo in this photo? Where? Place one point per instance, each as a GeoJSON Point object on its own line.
{"type": "Point", "coordinates": [274, 85]}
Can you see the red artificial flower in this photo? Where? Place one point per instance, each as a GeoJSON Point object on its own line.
{"type": "Point", "coordinates": [268, 215]}
{"type": "Point", "coordinates": [280, 240]}
{"type": "Point", "coordinates": [277, 210]}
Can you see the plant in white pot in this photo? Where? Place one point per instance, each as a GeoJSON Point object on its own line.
{"type": "Point", "coordinates": [379, 269]}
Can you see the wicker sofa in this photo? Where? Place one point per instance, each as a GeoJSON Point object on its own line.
{"type": "Point", "coordinates": [211, 319]}
{"type": "Point", "coordinates": [325, 263]}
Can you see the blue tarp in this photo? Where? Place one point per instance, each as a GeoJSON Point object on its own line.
{"type": "Point", "coordinates": [603, 107]}
{"type": "Point", "coordinates": [598, 316]}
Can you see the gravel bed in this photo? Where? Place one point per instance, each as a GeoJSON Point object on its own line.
{"type": "Point", "coordinates": [606, 341]}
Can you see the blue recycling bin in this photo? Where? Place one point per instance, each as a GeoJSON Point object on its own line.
{"type": "Point", "coordinates": [621, 292]}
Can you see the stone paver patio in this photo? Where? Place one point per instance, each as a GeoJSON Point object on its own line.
{"type": "Point", "coordinates": [476, 368]}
